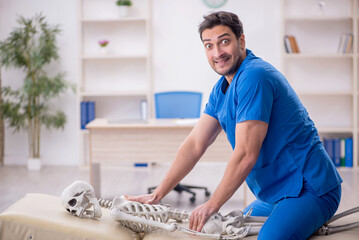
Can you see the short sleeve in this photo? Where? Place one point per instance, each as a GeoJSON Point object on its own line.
{"type": "Point", "coordinates": [255, 94]}
{"type": "Point", "coordinates": [210, 108]}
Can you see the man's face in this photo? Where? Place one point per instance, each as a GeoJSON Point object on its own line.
{"type": "Point", "coordinates": [224, 51]}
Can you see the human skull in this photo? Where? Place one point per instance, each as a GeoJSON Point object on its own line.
{"type": "Point", "coordinates": [78, 198]}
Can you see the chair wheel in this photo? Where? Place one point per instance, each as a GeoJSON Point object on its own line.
{"type": "Point", "coordinates": [207, 193]}
{"type": "Point", "coordinates": [192, 199]}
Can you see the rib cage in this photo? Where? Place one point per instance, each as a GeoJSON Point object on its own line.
{"type": "Point", "coordinates": [158, 213]}
{"type": "Point", "coordinates": [104, 203]}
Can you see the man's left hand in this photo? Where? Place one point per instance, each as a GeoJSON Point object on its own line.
{"type": "Point", "coordinates": [200, 215]}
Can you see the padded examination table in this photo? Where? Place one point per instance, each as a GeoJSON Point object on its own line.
{"type": "Point", "coordinates": [42, 217]}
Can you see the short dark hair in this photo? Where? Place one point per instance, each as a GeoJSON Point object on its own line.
{"type": "Point", "coordinates": [223, 18]}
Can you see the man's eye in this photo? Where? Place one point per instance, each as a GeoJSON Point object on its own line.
{"type": "Point", "coordinates": [208, 46]}
{"type": "Point", "coordinates": [225, 41]}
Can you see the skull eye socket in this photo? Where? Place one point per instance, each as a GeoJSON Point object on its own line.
{"type": "Point", "coordinates": [72, 202]}
{"type": "Point", "coordinates": [78, 194]}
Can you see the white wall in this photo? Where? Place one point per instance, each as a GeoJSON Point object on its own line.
{"type": "Point", "coordinates": [179, 62]}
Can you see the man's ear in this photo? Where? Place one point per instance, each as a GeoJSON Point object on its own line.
{"type": "Point", "coordinates": [242, 41]}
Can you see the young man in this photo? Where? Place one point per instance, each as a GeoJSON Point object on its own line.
{"type": "Point", "coordinates": [276, 147]}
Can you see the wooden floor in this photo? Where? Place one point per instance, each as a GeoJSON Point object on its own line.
{"type": "Point", "coordinates": [16, 181]}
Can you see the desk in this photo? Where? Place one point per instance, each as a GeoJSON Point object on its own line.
{"type": "Point", "coordinates": [151, 141]}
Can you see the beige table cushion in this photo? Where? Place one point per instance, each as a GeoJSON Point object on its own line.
{"type": "Point", "coordinates": [352, 234]}
{"type": "Point", "coordinates": [42, 217]}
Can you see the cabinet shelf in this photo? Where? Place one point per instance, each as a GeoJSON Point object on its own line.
{"type": "Point", "coordinates": [335, 130]}
{"type": "Point", "coordinates": [325, 93]}
{"type": "Point", "coordinates": [113, 56]}
{"type": "Point", "coordinates": [318, 18]}
{"type": "Point", "coordinates": [84, 132]}
{"type": "Point", "coordinates": [115, 94]}
{"type": "Point", "coordinates": [114, 20]}
{"type": "Point", "coordinates": [317, 55]}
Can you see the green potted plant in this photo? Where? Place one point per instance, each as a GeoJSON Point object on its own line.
{"type": "Point", "coordinates": [123, 6]}
{"type": "Point", "coordinates": [31, 47]}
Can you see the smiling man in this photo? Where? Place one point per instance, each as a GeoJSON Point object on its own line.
{"type": "Point", "coordinates": [276, 147]}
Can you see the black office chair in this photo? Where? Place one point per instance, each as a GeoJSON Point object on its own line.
{"type": "Point", "coordinates": [179, 105]}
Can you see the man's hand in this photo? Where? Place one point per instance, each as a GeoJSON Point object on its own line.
{"type": "Point", "coordinates": [147, 198]}
{"type": "Point", "coordinates": [200, 215]}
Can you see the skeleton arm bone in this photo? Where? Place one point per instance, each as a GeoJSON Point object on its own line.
{"type": "Point", "coordinates": [331, 229]}
{"type": "Point", "coordinates": [252, 220]}
{"type": "Point", "coordinates": [343, 214]}
{"type": "Point", "coordinates": [342, 228]}
{"type": "Point", "coordinates": [327, 229]}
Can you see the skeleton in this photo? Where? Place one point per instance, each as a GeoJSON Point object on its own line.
{"type": "Point", "coordinates": [79, 197]}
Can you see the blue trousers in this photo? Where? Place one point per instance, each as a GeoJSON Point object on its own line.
{"type": "Point", "coordinates": [296, 218]}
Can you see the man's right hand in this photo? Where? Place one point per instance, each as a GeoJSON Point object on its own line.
{"type": "Point", "coordinates": [146, 198]}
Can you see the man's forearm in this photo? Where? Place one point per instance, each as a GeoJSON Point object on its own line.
{"type": "Point", "coordinates": [186, 158]}
{"type": "Point", "coordinates": [237, 170]}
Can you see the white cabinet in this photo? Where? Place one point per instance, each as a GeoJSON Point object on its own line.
{"type": "Point", "coordinates": [116, 77]}
{"type": "Point", "coordinates": [325, 80]}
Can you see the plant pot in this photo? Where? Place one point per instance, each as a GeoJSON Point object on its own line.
{"type": "Point", "coordinates": [33, 164]}
{"type": "Point", "coordinates": [122, 11]}
{"type": "Point", "coordinates": [103, 50]}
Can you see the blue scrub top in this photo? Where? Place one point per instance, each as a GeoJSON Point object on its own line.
{"type": "Point", "coordinates": [292, 150]}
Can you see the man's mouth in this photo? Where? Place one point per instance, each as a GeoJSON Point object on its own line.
{"type": "Point", "coordinates": [222, 61]}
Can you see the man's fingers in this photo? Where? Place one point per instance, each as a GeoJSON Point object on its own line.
{"type": "Point", "coordinates": [200, 225]}
{"type": "Point", "coordinates": [134, 198]}
{"type": "Point", "coordinates": [128, 197]}
{"type": "Point", "coordinates": [150, 201]}
{"type": "Point", "coordinates": [193, 221]}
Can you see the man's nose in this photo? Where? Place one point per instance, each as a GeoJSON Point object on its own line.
{"type": "Point", "coordinates": [218, 51]}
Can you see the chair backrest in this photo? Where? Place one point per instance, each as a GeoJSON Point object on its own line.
{"type": "Point", "coordinates": [178, 104]}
